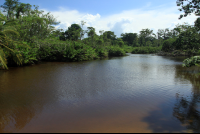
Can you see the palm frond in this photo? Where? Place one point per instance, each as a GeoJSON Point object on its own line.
{"type": "Point", "coordinates": [10, 23]}
{"type": "Point", "coordinates": [7, 48]}
{"type": "Point", "coordinates": [17, 57]}
{"type": "Point", "coordinates": [2, 34]}
{"type": "Point", "coordinates": [10, 31]}
{"type": "Point", "coordinates": [3, 59]}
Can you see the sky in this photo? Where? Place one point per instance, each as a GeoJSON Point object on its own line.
{"type": "Point", "coordinates": [119, 16]}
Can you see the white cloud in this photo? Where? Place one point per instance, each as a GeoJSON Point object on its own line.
{"type": "Point", "coordinates": [127, 21]}
{"type": "Point", "coordinates": [66, 17]}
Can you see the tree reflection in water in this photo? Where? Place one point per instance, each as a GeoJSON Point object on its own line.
{"type": "Point", "coordinates": [16, 112]}
{"type": "Point", "coordinates": [18, 117]}
{"type": "Point", "coordinates": [20, 101]}
{"type": "Point", "coordinates": [187, 108]}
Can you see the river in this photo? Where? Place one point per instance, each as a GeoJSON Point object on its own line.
{"type": "Point", "coordinates": [135, 93]}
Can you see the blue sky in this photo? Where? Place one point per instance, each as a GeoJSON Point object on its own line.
{"type": "Point", "coordinates": [103, 7]}
{"type": "Point", "coordinates": [120, 16]}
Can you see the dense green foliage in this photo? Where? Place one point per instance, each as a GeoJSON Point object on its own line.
{"type": "Point", "coordinates": [169, 45]}
{"type": "Point", "coordinates": [195, 60]}
{"type": "Point", "coordinates": [8, 46]}
{"type": "Point", "coordinates": [189, 38]}
{"type": "Point", "coordinates": [189, 6]}
{"type": "Point", "coordinates": [27, 35]}
{"type": "Point", "coordinates": [145, 50]}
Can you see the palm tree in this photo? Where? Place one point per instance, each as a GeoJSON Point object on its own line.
{"type": "Point", "coordinates": [6, 33]}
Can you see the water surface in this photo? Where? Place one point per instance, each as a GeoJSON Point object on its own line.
{"type": "Point", "coordinates": [135, 93]}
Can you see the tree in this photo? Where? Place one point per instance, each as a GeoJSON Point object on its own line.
{"type": "Point", "coordinates": [168, 45]}
{"type": "Point", "coordinates": [82, 31]}
{"type": "Point", "coordinates": [23, 9]}
{"type": "Point", "coordinates": [188, 8]}
{"type": "Point", "coordinates": [197, 24]}
{"type": "Point", "coordinates": [130, 38]}
{"type": "Point", "coordinates": [146, 32]}
{"type": "Point", "coordinates": [33, 24]}
{"type": "Point", "coordinates": [57, 33]}
{"type": "Point", "coordinates": [120, 42]}
{"type": "Point", "coordinates": [181, 28]}
{"type": "Point", "coordinates": [160, 33]}
{"type": "Point", "coordinates": [110, 35]}
{"type": "Point", "coordinates": [164, 33]}
{"type": "Point", "coordinates": [6, 43]}
{"type": "Point", "coordinates": [192, 6]}
{"type": "Point", "coordinates": [91, 33]}
{"type": "Point", "coordinates": [101, 32]}
{"type": "Point", "coordinates": [175, 32]}
{"type": "Point", "coordinates": [188, 39]}
{"type": "Point", "coordinates": [36, 25]}
{"type": "Point", "coordinates": [145, 35]}
{"type": "Point", "coordinates": [73, 32]}
{"type": "Point", "coordinates": [141, 40]}
{"type": "Point", "coordinates": [9, 6]}
{"type": "Point", "coordinates": [100, 41]}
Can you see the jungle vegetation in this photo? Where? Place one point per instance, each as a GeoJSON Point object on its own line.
{"type": "Point", "coordinates": [28, 35]}
{"type": "Point", "coordinates": [192, 33]}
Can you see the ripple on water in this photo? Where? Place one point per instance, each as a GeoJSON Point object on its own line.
{"type": "Point", "coordinates": [136, 93]}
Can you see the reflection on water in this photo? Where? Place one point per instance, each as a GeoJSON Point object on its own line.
{"type": "Point", "coordinates": [187, 107]}
{"type": "Point", "coordinates": [136, 93]}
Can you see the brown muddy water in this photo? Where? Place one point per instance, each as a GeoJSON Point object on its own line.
{"type": "Point", "coordinates": [135, 93]}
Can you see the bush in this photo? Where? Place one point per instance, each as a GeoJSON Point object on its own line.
{"type": "Point", "coordinates": [102, 52]}
{"type": "Point", "coordinates": [193, 61]}
{"type": "Point", "coordinates": [145, 50]}
{"type": "Point", "coordinates": [116, 51]}
{"type": "Point", "coordinates": [127, 49]}
{"type": "Point", "coordinates": [168, 45]}
{"type": "Point", "coordinates": [51, 50]}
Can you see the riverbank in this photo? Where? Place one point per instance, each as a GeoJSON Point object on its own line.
{"type": "Point", "coordinates": [178, 53]}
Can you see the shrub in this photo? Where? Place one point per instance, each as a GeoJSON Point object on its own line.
{"type": "Point", "coordinates": [145, 50]}
{"type": "Point", "coordinates": [116, 51]}
{"type": "Point", "coordinates": [168, 45]}
{"type": "Point", "coordinates": [191, 61]}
